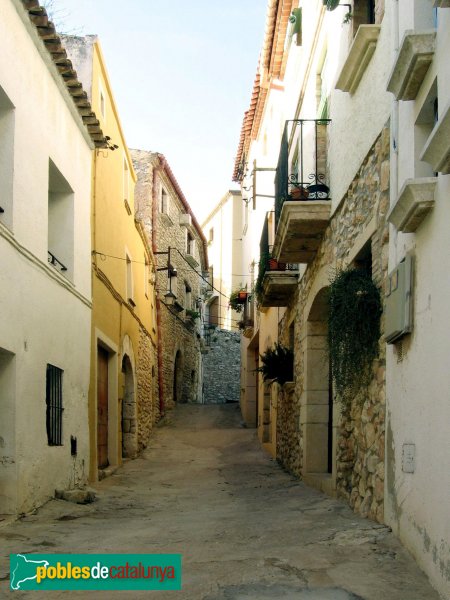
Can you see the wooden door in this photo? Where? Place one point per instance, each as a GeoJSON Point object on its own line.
{"type": "Point", "coordinates": [102, 407]}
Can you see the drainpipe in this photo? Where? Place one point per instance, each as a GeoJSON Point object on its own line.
{"type": "Point", "coordinates": [158, 302]}
{"type": "Point", "coordinates": [394, 121]}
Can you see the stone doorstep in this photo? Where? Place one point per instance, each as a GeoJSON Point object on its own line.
{"type": "Point", "coordinates": [321, 481]}
{"type": "Point", "coordinates": [77, 496]}
{"type": "Point", "coordinates": [6, 520]}
{"type": "Point", "coordinates": [107, 472]}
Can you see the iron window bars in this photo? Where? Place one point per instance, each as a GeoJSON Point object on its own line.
{"type": "Point", "coordinates": [53, 399]}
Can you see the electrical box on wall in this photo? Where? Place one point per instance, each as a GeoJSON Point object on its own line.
{"type": "Point", "coordinates": [399, 301]}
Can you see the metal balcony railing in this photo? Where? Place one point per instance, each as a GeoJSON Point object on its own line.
{"type": "Point", "coordinates": [301, 172]}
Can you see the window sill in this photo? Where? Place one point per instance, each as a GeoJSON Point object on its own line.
{"type": "Point", "coordinates": [412, 63]}
{"type": "Point", "coordinates": [166, 219]}
{"type": "Point", "coordinates": [415, 201]}
{"type": "Point", "coordinates": [359, 55]}
{"type": "Point", "coordinates": [437, 149]}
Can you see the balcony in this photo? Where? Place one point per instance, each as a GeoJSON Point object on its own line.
{"type": "Point", "coordinates": [302, 195]}
{"type": "Point", "coordinates": [276, 281]}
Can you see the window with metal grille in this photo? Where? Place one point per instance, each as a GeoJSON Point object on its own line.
{"type": "Point", "coordinates": [53, 399]}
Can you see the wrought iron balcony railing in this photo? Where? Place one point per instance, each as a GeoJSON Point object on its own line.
{"type": "Point", "coordinates": [302, 164]}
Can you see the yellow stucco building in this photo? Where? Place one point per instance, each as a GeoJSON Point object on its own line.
{"type": "Point", "coordinates": [123, 404]}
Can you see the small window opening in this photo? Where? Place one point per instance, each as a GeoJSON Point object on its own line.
{"type": "Point", "coordinates": [53, 400]}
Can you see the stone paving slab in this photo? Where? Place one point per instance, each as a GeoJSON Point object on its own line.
{"type": "Point", "coordinates": [247, 530]}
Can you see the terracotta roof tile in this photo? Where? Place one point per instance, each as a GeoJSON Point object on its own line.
{"type": "Point", "coordinates": [48, 34]}
{"type": "Point", "coordinates": [271, 66]}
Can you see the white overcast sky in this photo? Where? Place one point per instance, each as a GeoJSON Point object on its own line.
{"type": "Point", "coordinates": [182, 75]}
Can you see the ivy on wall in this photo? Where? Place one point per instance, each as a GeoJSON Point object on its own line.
{"type": "Point", "coordinates": [353, 330]}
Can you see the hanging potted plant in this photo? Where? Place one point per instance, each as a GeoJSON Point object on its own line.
{"type": "Point", "coordinates": [277, 364]}
{"type": "Point", "coordinates": [331, 4]}
{"type": "Point", "coordinates": [353, 330]}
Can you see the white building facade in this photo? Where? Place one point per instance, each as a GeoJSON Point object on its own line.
{"type": "Point", "coordinates": [45, 285]}
{"type": "Point", "coordinates": [224, 229]}
{"type": "Point", "coordinates": [418, 378]}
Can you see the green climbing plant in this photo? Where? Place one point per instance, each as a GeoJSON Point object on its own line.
{"type": "Point", "coordinates": [353, 330]}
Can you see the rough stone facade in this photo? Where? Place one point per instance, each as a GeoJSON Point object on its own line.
{"type": "Point", "coordinates": [360, 432]}
{"type": "Point", "coordinates": [147, 389]}
{"type": "Point", "coordinates": [181, 359]}
{"type": "Point", "coordinates": [170, 224]}
{"type": "Point", "coordinates": [221, 368]}
{"type": "Point", "coordinates": [288, 430]}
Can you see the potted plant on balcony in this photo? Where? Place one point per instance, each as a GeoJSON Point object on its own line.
{"type": "Point", "coordinates": [192, 314]}
{"type": "Point", "coordinates": [298, 192]}
{"type": "Point", "coordinates": [237, 300]}
{"type": "Point", "coordinates": [274, 265]}
{"type": "Point", "coordinates": [277, 364]}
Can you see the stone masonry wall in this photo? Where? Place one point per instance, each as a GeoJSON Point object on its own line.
{"type": "Point", "coordinates": [179, 336]}
{"type": "Point", "coordinates": [361, 431]}
{"type": "Point", "coordinates": [288, 431]}
{"type": "Point", "coordinates": [147, 389]}
{"type": "Point", "coordinates": [177, 333]}
{"type": "Point", "coordinates": [221, 368]}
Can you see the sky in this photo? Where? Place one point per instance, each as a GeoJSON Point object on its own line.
{"type": "Point", "coordinates": [182, 76]}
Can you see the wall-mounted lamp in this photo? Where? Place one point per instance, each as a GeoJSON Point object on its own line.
{"type": "Point", "coordinates": [109, 144]}
{"type": "Point", "coordinates": [169, 298]}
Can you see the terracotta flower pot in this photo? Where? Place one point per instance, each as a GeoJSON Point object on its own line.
{"type": "Point", "coordinates": [299, 193]}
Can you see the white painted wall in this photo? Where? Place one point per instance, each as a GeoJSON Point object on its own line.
{"type": "Point", "coordinates": [45, 316]}
{"type": "Point", "coordinates": [225, 254]}
{"type": "Point", "coordinates": [418, 407]}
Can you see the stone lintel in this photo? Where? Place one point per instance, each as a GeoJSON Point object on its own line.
{"type": "Point", "coordinates": [411, 65]}
{"type": "Point", "coordinates": [359, 55]}
{"type": "Point", "coordinates": [415, 201]}
{"type": "Point", "coordinates": [437, 148]}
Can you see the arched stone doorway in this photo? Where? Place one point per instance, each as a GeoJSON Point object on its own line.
{"type": "Point", "coordinates": [319, 447]}
{"type": "Point", "coordinates": [178, 377]}
{"type": "Point", "coordinates": [129, 420]}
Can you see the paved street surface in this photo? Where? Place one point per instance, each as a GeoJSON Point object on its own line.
{"type": "Point", "coordinates": [247, 530]}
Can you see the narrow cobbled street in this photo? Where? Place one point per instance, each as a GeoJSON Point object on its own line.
{"type": "Point", "coordinates": [246, 529]}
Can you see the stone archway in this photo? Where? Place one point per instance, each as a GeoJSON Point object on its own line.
{"type": "Point", "coordinates": [319, 446]}
{"type": "Point", "coordinates": [129, 416]}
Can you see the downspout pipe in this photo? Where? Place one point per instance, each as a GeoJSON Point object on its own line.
{"type": "Point", "coordinates": [154, 201]}
{"type": "Point", "coordinates": [394, 119]}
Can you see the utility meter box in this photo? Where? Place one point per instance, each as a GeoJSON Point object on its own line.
{"type": "Point", "coordinates": [399, 301]}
